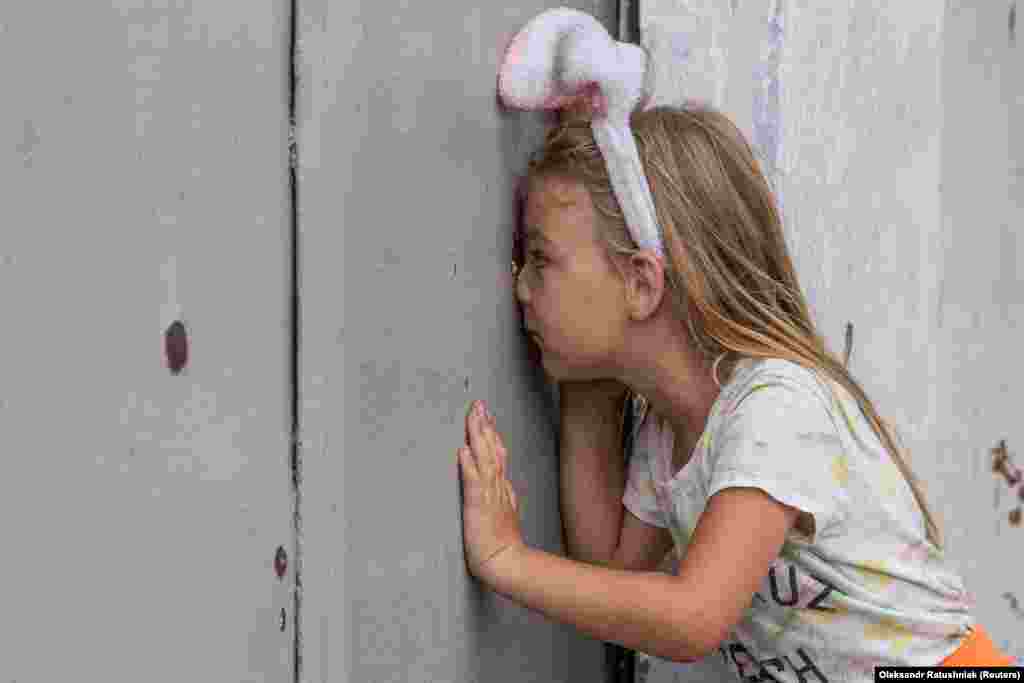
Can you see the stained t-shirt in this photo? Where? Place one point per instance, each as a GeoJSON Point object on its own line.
{"type": "Point", "coordinates": [868, 589]}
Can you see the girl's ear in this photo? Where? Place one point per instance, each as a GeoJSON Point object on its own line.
{"type": "Point", "coordinates": [651, 269]}
{"type": "Point", "coordinates": [643, 281]}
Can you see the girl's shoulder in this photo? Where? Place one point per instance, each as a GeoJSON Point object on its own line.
{"type": "Point", "coordinates": [792, 383]}
{"type": "Point", "coordinates": [754, 373]}
{"type": "Point", "coordinates": [748, 375]}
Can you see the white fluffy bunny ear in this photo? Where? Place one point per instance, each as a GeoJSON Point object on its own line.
{"type": "Point", "coordinates": [563, 55]}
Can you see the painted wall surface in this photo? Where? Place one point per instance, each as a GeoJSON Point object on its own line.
{"type": "Point", "coordinates": [144, 182]}
{"type": "Point", "coordinates": [408, 313]}
{"type": "Point", "coordinates": [148, 155]}
{"type": "Point", "coordinates": [893, 137]}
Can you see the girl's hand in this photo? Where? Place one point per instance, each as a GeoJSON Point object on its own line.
{"type": "Point", "coordinates": [490, 512]}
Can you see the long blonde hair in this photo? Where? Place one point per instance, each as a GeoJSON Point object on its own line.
{"type": "Point", "coordinates": [728, 272]}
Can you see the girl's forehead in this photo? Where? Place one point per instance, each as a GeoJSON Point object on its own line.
{"type": "Point", "coordinates": [561, 214]}
{"type": "Point", "coordinates": [558, 192]}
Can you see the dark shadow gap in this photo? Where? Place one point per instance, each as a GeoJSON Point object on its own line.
{"type": "Point", "coordinates": [294, 313]}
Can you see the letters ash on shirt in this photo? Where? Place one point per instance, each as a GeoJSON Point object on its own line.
{"type": "Point", "coordinates": [868, 589]}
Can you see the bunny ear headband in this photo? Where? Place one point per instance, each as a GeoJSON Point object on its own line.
{"type": "Point", "coordinates": [563, 55]}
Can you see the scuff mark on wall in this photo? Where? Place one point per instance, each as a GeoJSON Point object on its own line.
{"type": "Point", "coordinates": [1012, 22]}
{"type": "Point", "coordinates": [1014, 604]}
{"type": "Point", "coordinates": [1001, 464]}
{"type": "Point", "coordinates": [849, 345]}
{"type": "Point", "coordinates": [30, 139]}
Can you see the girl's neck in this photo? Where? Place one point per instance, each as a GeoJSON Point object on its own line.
{"type": "Point", "coordinates": [684, 442]}
{"type": "Point", "coordinates": [679, 386]}
{"type": "Point", "coordinates": [658, 360]}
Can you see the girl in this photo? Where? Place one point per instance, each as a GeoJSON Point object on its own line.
{"type": "Point", "coordinates": [806, 549]}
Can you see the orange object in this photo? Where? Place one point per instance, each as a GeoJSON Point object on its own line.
{"type": "Point", "coordinates": [977, 650]}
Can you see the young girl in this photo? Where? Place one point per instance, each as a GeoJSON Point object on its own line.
{"type": "Point", "coordinates": [806, 550]}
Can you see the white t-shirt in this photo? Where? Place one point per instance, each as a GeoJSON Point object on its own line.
{"type": "Point", "coordinates": [868, 589]}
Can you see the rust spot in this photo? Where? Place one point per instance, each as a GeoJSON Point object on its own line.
{"type": "Point", "coordinates": [1001, 465]}
{"type": "Point", "coordinates": [1015, 516]}
{"type": "Point", "coordinates": [280, 562]}
{"type": "Point", "coordinates": [176, 346]}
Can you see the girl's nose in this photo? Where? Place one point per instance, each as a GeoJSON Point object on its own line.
{"type": "Point", "coordinates": [517, 284]}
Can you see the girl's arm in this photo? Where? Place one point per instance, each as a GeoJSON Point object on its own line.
{"type": "Point", "coordinates": [591, 469]}
{"type": "Point", "coordinates": [678, 618]}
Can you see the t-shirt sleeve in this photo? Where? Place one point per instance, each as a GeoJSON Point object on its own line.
{"type": "Point", "coordinates": [639, 496]}
{"type": "Point", "coordinates": [780, 438]}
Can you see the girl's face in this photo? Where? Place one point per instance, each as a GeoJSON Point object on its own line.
{"type": "Point", "coordinates": [572, 297]}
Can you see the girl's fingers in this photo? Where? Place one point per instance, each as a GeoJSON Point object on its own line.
{"type": "Point", "coordinates": [465, 458]}
{"type": "Point", "coordinates": [472, 431]}
{"type": "Point", "coordinates": [486, 448]}
{"type": "Point", "coordinates": [470, 424]}
{"type": "Point", "coordinates": [481, 444]}
{"type": "Point", "coordinates": [498, 449]}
